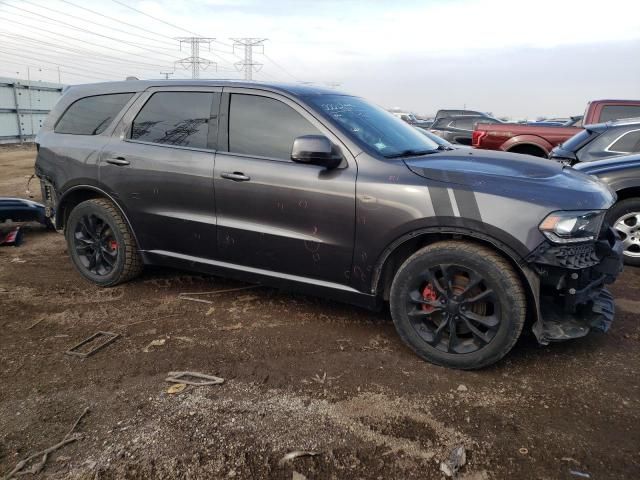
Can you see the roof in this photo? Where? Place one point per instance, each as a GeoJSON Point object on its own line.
{"type": "Point", "coordinates": [140, 85]}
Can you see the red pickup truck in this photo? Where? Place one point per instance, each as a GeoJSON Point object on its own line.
{"type": "Point", "coordinates": [540, 140]}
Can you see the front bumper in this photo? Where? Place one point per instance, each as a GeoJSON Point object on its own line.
{"type": "Point", "coordinates": [573, 299]}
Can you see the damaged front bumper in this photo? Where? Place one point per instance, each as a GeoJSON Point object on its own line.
{"type": "Point", "coordinates": [573, 298]}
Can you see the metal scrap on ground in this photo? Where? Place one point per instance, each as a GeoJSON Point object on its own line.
{"type": "Point", "coordinates": [183, 377]}
{"type": "Point", "coordinates": [109, 338]}
{"type": "Point", "coordinates": [296, 454]}
{"type": "Point", "coordinates": [456, 460]}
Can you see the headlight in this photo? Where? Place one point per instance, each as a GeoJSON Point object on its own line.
{"type": "Point", "coordinates": [572, 227]}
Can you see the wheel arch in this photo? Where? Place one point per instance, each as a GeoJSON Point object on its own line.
{"type": "Point", "coordinates": [628, 192]}
{"type": "Point", "coordinates": [80, 193]}
{"type": "Point", "coordinates": [527, 141]}
{"type": "Point", "coordinates": [402, 248]}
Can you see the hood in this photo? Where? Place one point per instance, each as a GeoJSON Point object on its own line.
{"type": "Point", "coordinates": [465, 166]}
{"type": "Point", "coordinates": [510, 175]}
{"type": "Point", "coordinates": [612, 164]}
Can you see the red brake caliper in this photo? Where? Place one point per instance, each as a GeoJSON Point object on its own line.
{"type": "Point", "coordinates": [113, 245]}
{"type": "Point", "coordinates": [428, 293]}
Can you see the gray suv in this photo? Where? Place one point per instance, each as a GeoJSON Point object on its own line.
{"type": "Point", "coordinates": [308, 189]}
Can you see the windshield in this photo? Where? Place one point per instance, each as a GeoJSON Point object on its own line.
{"type": "Point", "coordinates": [373, 126]}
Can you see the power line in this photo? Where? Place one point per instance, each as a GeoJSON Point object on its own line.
{"type": "Point", "coordinates": [40, 29]}
{"type": "Point", "coordinates": [195, 60]}
{"type": "Point", "coordinates": [248, 65]}
{"type": "Point", "coordinates": [87, 56]}
{"type": "Point", "coordinates": [144, 47]}
{"type": "Point", "coordinates": [155, 18]}
{"type": "Point", "coordinates": [281, 67]}
{"type": "Point", "coordinates": [117, 20]}
{"type": "Point", "coordinates": [66, 14]}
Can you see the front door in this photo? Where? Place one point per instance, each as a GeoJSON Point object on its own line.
{"type": "Point", "coordinates": [159, 167]}
{"type": "Point", "coordinates": [275, 214]}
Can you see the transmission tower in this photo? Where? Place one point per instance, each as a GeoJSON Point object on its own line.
{"type": "Point", "coordinates": [166, 74]}
{"type": "Point", "coordinates": [195, 60]}
{"type": "Point", "coordinates": [248, 65]}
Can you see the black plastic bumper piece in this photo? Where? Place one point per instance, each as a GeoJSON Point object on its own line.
{"type": "Point", "coordinates": [573, 297]}
{"type": "Point", "coordinates": [556, 325]}
{"type": "Point", "coordinates": [22, 210]}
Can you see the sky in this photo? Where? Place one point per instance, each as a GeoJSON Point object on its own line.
{"type": "Point", "coordinates": [518, 59]}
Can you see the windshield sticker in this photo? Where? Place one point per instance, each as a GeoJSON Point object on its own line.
{"type": "Point", "coordinates": [380, 146]}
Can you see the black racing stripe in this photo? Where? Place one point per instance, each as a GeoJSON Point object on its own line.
{"type": "Point", "coordinates": [467, 204]}
{"type": "Point", "coordinates": [441, 201]}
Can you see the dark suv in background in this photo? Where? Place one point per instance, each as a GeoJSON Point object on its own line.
{"type": "Point", "coordinates": [458, 129]}
{"type": "Point", "coordinates": [305, 188]}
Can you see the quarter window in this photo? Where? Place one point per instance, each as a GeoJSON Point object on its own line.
{"type": "Point", "coordinates": [91, 115]}
{"type": "Point", "coordinates": [264, 127]}
{"type": "Point", "coordinates": [628, 143]}
{"type": "Point", "coordinates": [176, 118]}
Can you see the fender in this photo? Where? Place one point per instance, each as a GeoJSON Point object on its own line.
{"type": "Point", "coordinates": [102, 193]}
{"type": "Point", "coordinates": [527, 140]}
{"type": "Point", "coordinates": [530, 278]}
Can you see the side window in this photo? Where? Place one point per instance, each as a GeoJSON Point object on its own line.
{"type": "Point", "coordinates": [91, 115]}
{"type": "Point", "coordinates": [177, 118]}
{"type": "Point", "coordinates": [628, 143]}
{"type": "Point", "coordinates": [616, 112]}
{"type": "Point", "coordinates": [264, 127]}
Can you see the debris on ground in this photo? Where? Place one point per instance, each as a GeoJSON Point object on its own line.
{"type": "Point", "coordinates": [38, 467]}
{"type": "Point", "coordinates": [95, 342]}
{"type": "Point", "coordinates": [37, 322]}
{"type": "Point", "coordinates": [295, 454]}
{"type": "Point", "coordinates": [456, 460]}
{"type": "Point", "coordinates": [297, 476]}
{"type": "Point", "coordinates": [154, 343]}
{"type": "Point", "coordinates": [523, 450]}
{"type": "Point", "coordinates": [576, 473]}
{"type": "Point", "coordinates": [12, 238]}
{"type": "Point", "coordinates": [462, 388]}
{"type": "Point", "coordinates": [191, 295]}
{"type": "Point", "coordinates": [184, 377]}
{"type": "Point", "coordinates": [176, 388]}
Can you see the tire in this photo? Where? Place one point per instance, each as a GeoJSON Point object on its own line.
{"type": "Point", "coordinates": [98, 226]}
{"type": "Point", "coordinates": [624, 217]}
{"type": "Point", "coordinates": [485, 329]}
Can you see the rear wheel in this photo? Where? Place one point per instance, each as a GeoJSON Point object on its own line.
{"type": "Point", "coordinates": [101, 244]}
{"type": "Point", "coordinates": [624, 217]}
{"type": "Point", "coordinates": [458, 304]}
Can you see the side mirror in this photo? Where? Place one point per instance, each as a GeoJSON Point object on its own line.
{"type": "Point", "coordinates": [315, 150]}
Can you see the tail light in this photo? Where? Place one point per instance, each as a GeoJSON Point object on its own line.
{"type": "Point", "coordinates": [477, 136]}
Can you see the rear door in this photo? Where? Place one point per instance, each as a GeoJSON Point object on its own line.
{"type": "Point", "coordinates": [274, 214]}
{"type": "Point", "coordinates": [159, 166]}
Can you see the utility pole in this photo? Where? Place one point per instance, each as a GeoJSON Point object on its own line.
{"type": "Point", "coordinates": [248, 65]}
{"type": "Point", "coordinates": [166, 74]}
{"type": "Point", "coordinates": [195, 60]}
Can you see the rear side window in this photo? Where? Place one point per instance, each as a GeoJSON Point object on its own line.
{"type": "Point", "coordinates": [627, 143]}
{"type": "Point", "coordinates": [176, 118]}
{"type": "Point", "coordinates": [578, 140]}
{"type": "Point", "coordinates": [91, 115]}
{"type": "Point", "coordinates": [264, 127]}
{"type": "Point", "coordinates": [616, 112]}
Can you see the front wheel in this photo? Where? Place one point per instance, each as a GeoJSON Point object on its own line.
{"type": "Point", "coordinates": [624, 217]}
{"type": "Point", "coordinates": [458, 304]}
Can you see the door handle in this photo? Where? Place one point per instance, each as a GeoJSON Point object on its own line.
{"type": "Point", "coordinates": [120, 161]}
{"type": "Point", "coordinates": [235, 176]}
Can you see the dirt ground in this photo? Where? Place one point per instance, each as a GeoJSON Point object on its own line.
{"type": "Point", "coordinates": [300, 373]}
